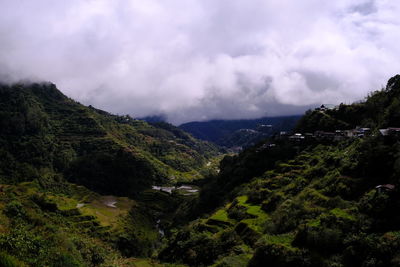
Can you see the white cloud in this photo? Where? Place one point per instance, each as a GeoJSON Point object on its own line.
{"type": "Point", "coordinates": [203, 59]}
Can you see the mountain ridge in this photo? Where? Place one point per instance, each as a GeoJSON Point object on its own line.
{"type": "Point", "coordinates": [316, 198]}
{"type": "Point", "coordinates": [305, 202]}
{"type": "Point", "coordinates": [227, 132]}
{"type": "Point", "coordinates": [79, 139]}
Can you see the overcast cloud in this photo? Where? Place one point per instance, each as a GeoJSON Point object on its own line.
{"type": "Point", "coordinates": [203, 59]}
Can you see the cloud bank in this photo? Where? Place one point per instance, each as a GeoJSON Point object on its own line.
{"type": "Point", "coordinates": [202, 59]}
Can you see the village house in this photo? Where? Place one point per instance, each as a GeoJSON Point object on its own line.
{"type": "Point", "coordinates": [297, 137]}
{"type": "Point", "coordinates": [324, 135]}
{"type": "Point", "coordinates": [339, 135]}
{"type": "Point", "coordinates": [358, 132]}
{"type": "Point", "coordinates": [361, 132]}
{"type": "Point", "coordinates": [351, 133]}
{"type": "Point", "coordinates": [390, 131]}
{"type": "Point", "coordinates": [385, 188]}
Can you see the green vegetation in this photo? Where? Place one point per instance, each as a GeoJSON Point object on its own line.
{"type": "Point", "coordinates": [305, 204]}
{"type": "Point", "coordinates": [220, 215]}
{"type": "Point", "coordinates": [46, 136]}
{"type": "Point", "coordinates": [48, 141]}
{"type": "Point", "coordinates": [75, 228]}
{"type": "Point", "coordinates": [311, 220]}
{"type": "Point", "coordinates": [76, 190]}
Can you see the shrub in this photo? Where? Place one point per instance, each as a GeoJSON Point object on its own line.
{"type": "Point", "coordinates": [66, 260]}
{"type": "Point", "coordinates": [278, 255]}
{"type": "Point", "coordinates": [238, 213]}
{"type": "Point", "coordinates": [14, 209]}
{"type": "Point", "coordinates": [7, 260]}
{"type": "Point", "coordinates": [272, 201]}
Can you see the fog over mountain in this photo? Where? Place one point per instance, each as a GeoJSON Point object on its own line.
{"type": "Point", "coordinates": [202, 59]}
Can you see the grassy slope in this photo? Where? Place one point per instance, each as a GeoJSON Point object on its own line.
{"type": "Point", "coordinates": [45, 138]}
{"type": "Point", "coordinates": [39, 115]}
{"type": "Point", "coordinates": [172, 152]}
{"type": "Point", "coordinates": [42, 228]}
{"type": "Point", "coordinates": [319, 208]}
{"type": "Point", "coordinates": [302, 209]}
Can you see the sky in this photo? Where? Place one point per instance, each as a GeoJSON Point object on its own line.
{"type": "Point", "coordinates": [202, 59]}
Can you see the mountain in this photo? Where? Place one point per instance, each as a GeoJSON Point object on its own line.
{"type": "Point", "coordinates": [44, 134]}
{"type": "Point", "coordinates": [244, 133]}
{"type": "Point", "coordinates": [326, 196]}
{"type": "Point", "coordinates": [318, 201]}
{"type": "Point", "coordinates": [76, 182]}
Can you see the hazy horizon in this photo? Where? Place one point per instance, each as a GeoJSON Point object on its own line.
{"type": "Point", "coordinates": [198, 60]}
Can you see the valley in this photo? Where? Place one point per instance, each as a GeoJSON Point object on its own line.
{"type": "Point", "coordinates": [83, 187]}
{"type": "Point", "coordinates": [236, 135]}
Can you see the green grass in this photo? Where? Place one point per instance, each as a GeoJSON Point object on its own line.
{"type": "Point", "coordinates": [256, 211]}
{"type": "Point", "coordinates": [220, 215]}
{"type": "Point", "coordinates": [141, 262]}
{"type": "Point", "coordinates": [242, 200]}
{"type": "Point", "coordinates": [234, 260]}
{"type": "Point", "coordinates": [283, 239]}
{"type": "Point", "coordinates": [106, 215]}
{"type": "Point", "coordinates": [9, 261]}
{"type": "Point", "coordinates": [314, 223]}
{"type": "Point", "coordinates": [56, 233]}
{"type": "Point", "coordinates": [342, 214]}
{"type": "Point", "coordinates": [63, 203]}
{"type": "Point", "coordinates": [257, 223]}
{"type": "Point", "coordinates": [144, 263]}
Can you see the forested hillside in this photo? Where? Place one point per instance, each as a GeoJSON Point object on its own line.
{"type": "Point", "coordinates": [325, 196]}
{"type": "Point", "coordinates": [305, 202]}
{"type": "Point", "coordinates": [52, 146]}
{"type": "Point", "coordinates": [44, 135]}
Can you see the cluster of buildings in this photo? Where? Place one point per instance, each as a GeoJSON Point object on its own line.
{"type": "Point", "coordinates": [339, 135]}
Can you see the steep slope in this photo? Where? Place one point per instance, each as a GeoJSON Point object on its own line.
{"type": "Point", "coordinates": [285, 202]}
{"type": "Point", "coordinates": [50, 146]}
{"type": "Point", "coordinates": [318, 203]}
{"type": "Point", "coordinates": [44, 134]}
{"type": "Point", "coordinates": [70, 226]}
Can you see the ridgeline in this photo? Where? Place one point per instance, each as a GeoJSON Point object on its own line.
{"type": "Point", "coordinates": [58, 157]}
{"type": "Point", "coordinates": [328, 195]}
{"type": "Point", "coordinates": [319, 200]}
